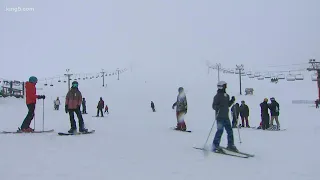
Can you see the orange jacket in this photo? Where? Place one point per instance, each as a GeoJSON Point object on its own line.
{"type": "Point", "coordinates": [31, 93]}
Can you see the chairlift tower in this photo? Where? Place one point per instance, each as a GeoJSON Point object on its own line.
{"type": "Point", "coordinates": [69, 77]}
{"type": "Point", "coordinates": [315, 66]}
{"type": "Point", "coordinates": [240, 69]}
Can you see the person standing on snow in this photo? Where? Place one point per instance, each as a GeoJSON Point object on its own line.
{"type": "Point", "coordinates": [84, 106]}
{"type": "Point", "coordinates": [152, 107]}
{"type": "Point", "coordinates": [100, 107]}
{"type": "Point", "coordinates": [265, 117]}
{"type": "Point", "coordinates": [235, 111]}
{"type": "Point", "coordinates": [244, 114]}
{"type": "Point", "coordinates": [31, 100]}
{"type": "Point", "coordinates": [274, 111]}
{"type": "Point", "coordinates": [72, 105]}
{"type": "Point", "coordinates": [181, 110]}
{"type": "Point", "coordinates": [56, 104]}
{"type": "Point", "coordinates": [221, 104]}
{"type": "Point", "coordinates": [106, 109]}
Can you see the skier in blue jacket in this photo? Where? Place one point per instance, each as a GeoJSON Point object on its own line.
{"type": "Point", "coordinates": [221, 104]}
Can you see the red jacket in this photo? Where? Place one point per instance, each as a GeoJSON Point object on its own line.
{"type": "Point", "coordinates": [31, 93]}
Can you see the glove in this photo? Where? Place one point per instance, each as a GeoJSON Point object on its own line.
{"type": "Point", "coordinates": [233, 98]}
{"type": "Point", "coordinates": [66, 108]}
{"type": "Point", "coordinates": [41, 97]}
{"type": "Point", "coordinates": [78, 107]}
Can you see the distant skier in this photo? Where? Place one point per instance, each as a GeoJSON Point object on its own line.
{"type": "Point", "coordinates": [274, 111]}
{"type": "Point", "coordinates": [56, 104]}
{"type": "Point", "coordinates": [106, 109]}
{"type": "Point", "coordinates": [317, 103]}
{"type": "Point", "coordinates": [72, 105]}
{"type": "Point", "coordinates": [235, 111]}
{"type": "Point", "coordinates": [265, 117]}
{"type": "Point", "coordinates": [244, 114]}
{"type": "Point", "coordinates": [100, 107]}
{"type": "Point", "coordinates": [152, 107]}
{"type": "Point", "coordinates": [84, 106]}
{"type": "Point", "coordinates": [221, 104]}
{"type": "Point", "coordinates": [181, 110]}
{"type": "Point", "coordinates": [31, 100]}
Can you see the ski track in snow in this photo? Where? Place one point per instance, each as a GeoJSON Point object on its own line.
{"type": "Point", "coordinates": [134, 143]}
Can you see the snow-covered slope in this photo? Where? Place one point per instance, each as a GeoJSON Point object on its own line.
{"type": "Point", "coordinates": [135, 143]}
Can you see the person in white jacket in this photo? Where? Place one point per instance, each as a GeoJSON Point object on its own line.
{"type": "Point", "coordinates": [56, 104]}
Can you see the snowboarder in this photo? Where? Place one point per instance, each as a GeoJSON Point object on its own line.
{"type": "Point", "coordinates": [221, 104]}
{"type": "Point", "coordinates": [31, 99]}
{"type": "Point", "coordinates": [274, 111]}
{"type": "Point", "coordinates": [84, 106]}
{"type": "Point", "coordinates": [152, 107]}
{"type": "Point", "coordinates": [235, 111]}
{"type": "Point", "coordinates": [181, 110]}
{"type": "Point", "coordinates": [72, 105]}
{"type": "Point", "coordinates": [100, 106]}
{"type": "Point", "coordinates": [56, 104]}
{"type": "Point", "coordinates": [265, 117]}
{"type": "Point", "coordinates": [244, 114]}
{"type": "Point", "coordinates": [106, 109]}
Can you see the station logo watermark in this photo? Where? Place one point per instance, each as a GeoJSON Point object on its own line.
{"type": "Point", "coordinates": [18, 9]}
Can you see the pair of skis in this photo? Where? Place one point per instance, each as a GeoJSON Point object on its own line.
{"type": "Point", "coordinates": [225, 151]}
{"type": "Point", "coordinates": [47, 131]}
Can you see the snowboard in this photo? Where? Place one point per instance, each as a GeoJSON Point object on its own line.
{"type": "Point", "coordinates": [227, 152]}
{"type": "Point", "coordinates": [20, 132]}
{"type": "Point", "coordinates": [173, 128]}
{"type": "Point", "coordinates": [256, 128]}
{"type": "Point", "coordinates": [77, 133]}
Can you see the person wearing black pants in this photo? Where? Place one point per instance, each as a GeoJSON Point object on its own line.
{"type": "Point", "coordinates": [235, 110]}
{"type": "Point", "coordinates": [265, 117]}
{"type": "Point", "coordinates": [72, 120]}
{"type": "Point", "coordinates": [27, 120]}
{"type": "Point", "coordinates": [84, 106]}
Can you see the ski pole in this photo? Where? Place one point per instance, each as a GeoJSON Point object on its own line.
{"type": "Point", "coordinates": [238, 130]}
{"type": "Point", "coordinates": [210, 131]}
{"type": "Point", "coordinates": [42, 114]}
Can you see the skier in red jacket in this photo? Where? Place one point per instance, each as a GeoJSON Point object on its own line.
{"type": "Point", "coordinates": [31, 99]}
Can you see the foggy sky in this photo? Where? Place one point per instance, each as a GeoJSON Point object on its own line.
{"type": "Point", "coordinates": [165, 35]}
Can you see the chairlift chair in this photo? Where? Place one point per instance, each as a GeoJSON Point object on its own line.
{"type": "Point", "coordinates": [260, 78]}
{"type": "Point", "coordinates": [291, 77]}
{"type": "Point", "coordinates": [299, 77]}
{"type": "Point", "coordinates": [281, 76]}
{"type": "Point", "coordinates": [314, 77]}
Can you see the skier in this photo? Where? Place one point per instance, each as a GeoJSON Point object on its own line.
{"type": "Point", "coordinates": [244, 114]}
{"type": "Point", "coordinates": [181, 110]}
{"type": "Point", "coordinates": [235, 111]}
{"type": "Point", "coordinates": [72, 105]}
{"type": "Point", "coordinates": [100, 106]}
{"type": "Point", "coordinates": [317, 103]}
{"type": "Point", "coordinates": [56, 104]}
{"type": "Point", "coordinates": [106, 109]}
{"type": "Point", "coordinates": [84, 106]}
{"type": "Point", "coordinates": [31, 100]}
{"type": "Point", "coordinates": [152, 107]}
{"type": "Point", "coordinates": [221, 104]}
{"type": "Point", "coordinates": [265, 117]}
{"type": "Point", "coordinates": [274, 110]}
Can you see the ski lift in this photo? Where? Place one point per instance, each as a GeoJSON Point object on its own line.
{"type": "Point", "coordinates": [46, 84]}
{"type": "Point", "coordinates": [59, 80]}
{"type": "Point", "coordinates": [249, 73]}
{"type": "Point", "coordinates": [251, 76]}
{"type": "Point", "coordinates": [267, 76]}
{"type": "Point", "coordinates": [314, 77]}
{"type": "Point", "coordinates": [281, 76]}
{"type": "Point", "coordinates": [291, 77]}
{"type": "Point", "coordinates": [260, 78]}
{"type": "Point", "coordinates": [84, 78]}
{"type": "Point", "coordinates": [299, 77]}
{"type": "Point", "coordinates": [256, 75]}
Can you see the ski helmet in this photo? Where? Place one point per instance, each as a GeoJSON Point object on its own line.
{"type": "Point", "coordinates": [272, 99]}
{"type": "Point", "coordinates": [222, 85]}
{"type": "Point", "coordinates": [75, 84]}
{"type": "Point", "coordinates": [180, 89]}
{"type": "Point", "coordinates": [33, 79]}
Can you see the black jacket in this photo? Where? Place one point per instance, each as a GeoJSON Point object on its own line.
{"type": "Point", "coordinates": [264, 109]}
{"type": "Point", "coordinates": [221, 104]}
{"type": "Point", "coordinates": [235, 110]}
{"type": "Point", "coordinates": [152, 105]}
{"type": "Point", "coordinates": [244, 110]}
{"type": "Point", "coordinates": [274, 108]}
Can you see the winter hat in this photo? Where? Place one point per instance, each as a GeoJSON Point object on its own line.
{"type": "Point", "coordinates": [272, 99]}
{"type": "Point", "coordinates": [222, 85]}
{"type": "Point", "coordinates": [265, 99]}
{"type": "Point", "coordinates": [75, 84]}
{"type": "Point", "coordinates": [180, 89]}
{"type": "Point", "coordinates": [33, 79]}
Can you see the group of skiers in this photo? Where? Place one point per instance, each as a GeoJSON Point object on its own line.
{"type": "Point", "coordinates": [221, 104]}
{"type": "Point", "coordinates": [266, 121]}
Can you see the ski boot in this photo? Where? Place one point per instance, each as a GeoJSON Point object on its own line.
{"type": "Point", "coordinates": [232, 148]}
{"type": "Point", "coordinates": [26, 130]}
{"type": "Point", "coordinates": [217, 149]}
{"type": "Point", "coordinates": [72, 131]}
